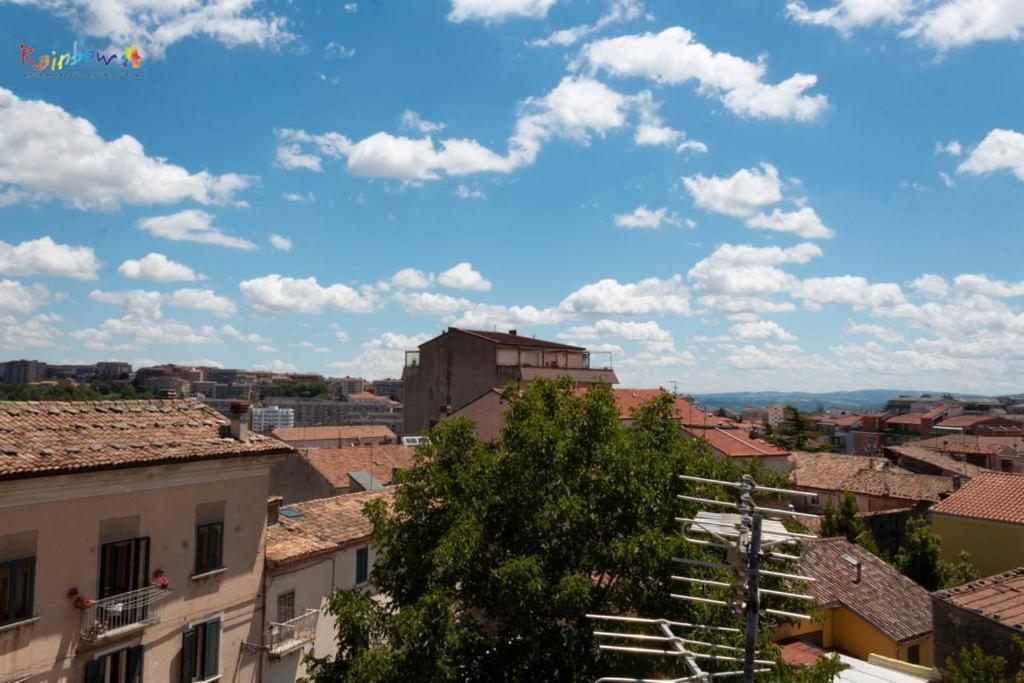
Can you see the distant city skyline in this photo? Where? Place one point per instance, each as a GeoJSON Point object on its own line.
{"type": "Point", "coordinates": [733, 196]}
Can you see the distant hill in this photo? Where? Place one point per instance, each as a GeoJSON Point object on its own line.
{"type": "Point", "coordinates": [863, 399]}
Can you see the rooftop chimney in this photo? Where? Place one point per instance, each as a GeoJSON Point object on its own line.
{"type": "Point", "coordinates": [513, 332]}
{"type": "Point", "coordinates": [855, 563]}
{"type": "Point", "coordinates": [273, 509]}
{"type": "Point", "coordinates": [239, 417]}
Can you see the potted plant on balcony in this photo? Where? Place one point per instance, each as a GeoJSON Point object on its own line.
{"type": "Point", "coordinates": [160, 579]}
{"type": "Point", "coordinates": [80, 601]}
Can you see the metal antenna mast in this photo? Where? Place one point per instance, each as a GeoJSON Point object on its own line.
{"type": "Point", "coordinates": [750, 539]}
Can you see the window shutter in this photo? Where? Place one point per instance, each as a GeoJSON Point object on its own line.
{"type": "Point", "coordinates": [92, 671]}
{"type": "Point", "coordinates": [211, 665]}
{"type": "Point", "coordinates": [134, 665]}
{"type": "Point", "coordinates": [188, 654]}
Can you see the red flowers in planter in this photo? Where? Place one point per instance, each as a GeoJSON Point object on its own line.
{"type": "Point", "coordinates": [160, 579]}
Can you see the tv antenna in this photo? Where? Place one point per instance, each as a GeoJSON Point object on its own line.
{"type": "Point", "coordinates": [751, 539]}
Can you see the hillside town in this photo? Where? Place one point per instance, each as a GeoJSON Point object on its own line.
{"type": "Point", "coordinates": [273, 490]}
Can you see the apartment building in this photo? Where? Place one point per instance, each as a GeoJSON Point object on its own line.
{"type": "Point", "coordinates": [272, 417]}
{"type": "Point", "coordinates": [130, 533]}
{"type": "Point", "coordinates": [459, 366]}
{"type": "Point", "coordinates": [390, 387]}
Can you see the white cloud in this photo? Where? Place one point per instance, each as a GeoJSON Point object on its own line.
{"type": "Point", "coordinates": [235, 334]}
{"type": "Point", "coordinates": [673, 57]}
{"type": "Point", "coordinates": [849, 289]}
{"type": "Point", "coordinates": [846, 15]}
{"type": "Point", "coordinates": [494, 11]}
{"type": "Point", "coordinates": [266, 348]}
{"type": "Point", "coordinates": [351, 7]}
{"type": "Point", "coordinates": [143, 330]}
{"type": "Point", "coordinates": [280, 242]}
{"type": "Point", "coordinates": [646, 297]}
{"type": "Point", "coordinates": [279, 294]}
{"type": "Point", "coordinates": [46, 154]}
{"type": "Point", "coordinates": [946, 180]}
{"type": "Point", "coordinates": [803, 222]}
{"type": "Point", "coordinates": [134, 302]}
{"type": "Point", "coordinates": [338, 50]}
{"type": "Point", "coordinates": [1001, 150]}
{"type": "Point", "coordinates": [761, 329]}
{"type": "Point", "coordinates": [297, 197]}
{"type": "Point", "coordinates": [277, 366]}
{"type": "Point", "coordinates": [465, 192]}
{"type": "Point", "coordinates": [414, 121]}
{"type": "Point", "coordinates": [770, 357]}
{"type": "Point", "coordinates": [628, 330]}
{"type": "Point", "coordinates": [948, 24]}
{"type": "Point", "coordinates": [642, 217]}
{"type": "Point", "coordinates": [878, 331]}
{"type": "Point", "coordinates": [158, 268]}
{"type": "Point", "coordinates": [982, 284]}
{"type": "Point", "coordinates": [202, 300]}
{"type": "Point", "coordinates": [953, 148]}
{"type": "Point", "coordinates": [191, 225]}
{"type": "Point", "coordinates": [18, 298]}
{"type": "Point", "coordinates": [381, 357]}
{"type": "Point", "coordinates": [741, 194]}
{"type": "Point", "coordinates": [411, 278]}
{"type": "Point", "coordinates": [155, 25]}
{"type": "Point", "coordinates": [36, 332]}
{"type": "Point", "coordinates": [695, 146]}
{"type": "Point", "coordinates": [931, 285]}
{"type": "Point", "coordinates": [43, 256]}
{"type": "Point", "coordinates": [462, 276]}
{"type": "Point", "coordinates": [618, 11]}
{"type": "Point", "coordinates": [745, 270]}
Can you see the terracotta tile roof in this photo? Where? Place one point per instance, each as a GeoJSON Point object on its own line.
{"type": "Point", "coordinates": [891, 602]}
{"type": "Point", "coordinates": [335, 464]}
{"type": "Point", "coordinates": [367, 396]}
{"type": "Point", "coordinates": [515, 339]}
{"type": "Point", "coordinates": [320, 527]}
{"type": "Point", "coordinates": [986, 445]}
{"type": "Point", "coordinates": [937, 459]}
{"type": "Point", "coordinates": [937, 411]}
{"type": "Point", "coordinates": [735, 443]}
{"type": "Point", "coordinates": [799, 653]}
{"type": "Point", "coordinates": [627, 400]}
{"type": "Point", "coordinates": [996, 496]}
{"type": "Point", "coordinates": [906, 419]}
{"type": "Point", "coordinates": [40, 438]}
{"type": "Point", "coordinates": [999, 597]}
{"type": "Point", "coordinates": [971, 420]}
{"type": "Point", "coordinates": [843, 421]}
{"type": "Point", "coordinates": [333, 432]}
{"type": "Point", "coordinates": [861, 474]}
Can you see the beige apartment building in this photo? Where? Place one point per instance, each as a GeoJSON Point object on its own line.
{"type": "Point", "coordinates": [131, 542]}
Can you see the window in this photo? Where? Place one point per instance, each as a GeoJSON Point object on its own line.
{"type": "Point", "coordinates": [362, 565]}
{"type": "Point", "coordinates": [914, 654]}
{"type": "Point", "coordinates": [124, 566]}
{"type": "Point", "coordinates": [285, 607]}
{"type": "Point", "coordinates": [209, 547]}
{"type": "Point", "coordinates": [200, 652]}
{"type": "Point", "coordinates": [123, 666]}
{"type": "Point", "coordinates": [16, 582]}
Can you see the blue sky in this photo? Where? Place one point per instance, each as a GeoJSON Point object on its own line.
{"type": "Point", "coordinates": [738, 195]}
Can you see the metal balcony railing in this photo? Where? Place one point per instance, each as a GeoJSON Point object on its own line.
{"type": "Point", "coordinates": [281, 638]}
{"type": "Point", "coordinates": [105, 617]}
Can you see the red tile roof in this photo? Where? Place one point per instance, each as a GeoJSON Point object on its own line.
{"type": "Point", "coordinates": [40, 438]}
{"type": "Point", "coordinates": [381, 461]}
{"type": "Point", "coordinates": [883, 597]}
{"type": "Point", "coordinates": [799, 653]}
{"type": "Point", "coordinates": [515, 339]}
{"type": "Point", "coordinates": [987, 445]}
{"type": "Point", "coordinates": [937, 459]}
{"type": "Point", "coordinates": [321, 527]}
{"type": "Point", "coordinates": [627, 400]}
{"type": "Point", "coordinates": [996, 496]}
{"type": "Point", "coordinates": [971, 420]}
{"type": "Point", "coordinates": [999, 597]}
{"type": "Point", "coordinates": [334, 432]}
{"type": "Point", "coordinates": [906, 419]}
{"type": "Point", "coordinates": [736, 443]}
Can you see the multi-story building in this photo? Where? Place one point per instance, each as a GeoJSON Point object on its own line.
{"type": "Point", "coordinates": [313, 549]}
{"type": "Point", "coordinates": [323, 472]}
{"type": "Point", "coordinates": [24, 371]}
{"type": "Point", "coordinates": [113, 370]}
{"type": "Point", "coordinates": [132, 531]}
{"type": "Point", "coordinates": [271, 417]}
{"type": "Point", "coordinates": [348, 385]}
{"type": "Point", "coordinates": [310, 413]}
{"type": "Point", "coordinates": [459, 366]}
{"type": "Point", "coordinates": [335, 436]}
{"type": "Point", "coordinates": [776, 414]}
{"type": "Point", "coordinates": [390, 387]}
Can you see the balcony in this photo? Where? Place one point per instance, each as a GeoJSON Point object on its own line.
{"type": "Point", "coordinates": [109, 617]}
{"type": "Point", "coordinates": [280, 639]}
{"type": "Point", "coordinates": [412, 359]}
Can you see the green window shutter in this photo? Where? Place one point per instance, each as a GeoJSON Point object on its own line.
{"type": "Point", "coordinates": [362, 564]}
{"type": "Point", "coordinates": [211, 665]}
{"type": "Point", "coordinates": [188, 655]}
{"type": "Point", "coordinates": [134, 665]}
{"type": "Point", "coordinates": [93, 671]}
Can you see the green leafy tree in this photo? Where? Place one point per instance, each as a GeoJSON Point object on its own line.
{"type": "Point", "coordinates": [920, 558]}
{"type": "Point", "coordinates": [96, 390]}
{"type": "Point", "coordinates": [975, 666]}
{"type": "Point", "coordinates": [843, 521]}
{"type": "Point", "coordinates": [492, 555]}
{"type": "Point", "coordinates": [797, 432]}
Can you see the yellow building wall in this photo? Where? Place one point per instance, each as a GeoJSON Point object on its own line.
{"type": "Point", "coordinates": [844, 630]}
{"type": "Point", "coordinates": [994, 546]}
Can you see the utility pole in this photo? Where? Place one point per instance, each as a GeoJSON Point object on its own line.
{"type": "Point", "coordinates": [753, 598]}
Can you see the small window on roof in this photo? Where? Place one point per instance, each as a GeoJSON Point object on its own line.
{"type": "Point", "coordinates": [290, 512]}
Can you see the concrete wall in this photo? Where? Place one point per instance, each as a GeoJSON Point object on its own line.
{"type": "Point", "coordinates": [994, 546]}
{"type": "Point", "coordinates": [312, 582]}
{"type": "Point", "coordinates": [66, 512]}
{"type": "Point", "coordinates": [956, 627]}
{"type": "Point", "coordinates": [295, 479]}
{"type": "Point", "coordinates": [488, 412]}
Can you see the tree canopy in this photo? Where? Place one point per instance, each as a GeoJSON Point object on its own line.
{"type": "Point", "coordinates": [492, 555]}
{"type": "Point", "coordinates": [920, 558]}
{"type": "Point", "coordinates": [843, 521]}
{"type": "Point", "coordinates": [797, 432]}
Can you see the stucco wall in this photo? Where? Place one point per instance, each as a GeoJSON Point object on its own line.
{"type": "Point", "coordinates": [67, 513]}
{"type": "Point", "coordinates": [994, 546]}
{"type": "Point", "coordinates": [956, 627]}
